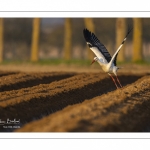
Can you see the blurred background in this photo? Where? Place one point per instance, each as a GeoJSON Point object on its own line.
{"type": "Point", "coordinates": [61, 39]}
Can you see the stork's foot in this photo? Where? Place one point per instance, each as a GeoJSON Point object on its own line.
{"type": "Point", "coordinates": [119, 87]}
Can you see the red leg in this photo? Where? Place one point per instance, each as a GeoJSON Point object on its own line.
{"type": "Point", "coordinates": [118, 81]}
{"type": "Point", "coordinates": [113, 80]}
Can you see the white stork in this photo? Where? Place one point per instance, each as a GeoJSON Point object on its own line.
{"type": "Point", "coordinates": [103, 57]}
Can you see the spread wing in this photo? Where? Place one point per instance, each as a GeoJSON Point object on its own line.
{"type": "Point", "coordinates": [96, 46]}
{"type": "Point", "coordinates": [114, 58]}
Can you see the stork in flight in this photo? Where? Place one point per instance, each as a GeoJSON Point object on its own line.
{"type": "Point", "coordinates": [103, 57]}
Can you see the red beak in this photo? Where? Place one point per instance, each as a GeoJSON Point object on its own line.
{"type": "Point", "coordinates": [92, 62]}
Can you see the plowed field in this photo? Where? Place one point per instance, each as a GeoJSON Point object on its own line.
{"type": "Point", "coordinates": [73, 102]}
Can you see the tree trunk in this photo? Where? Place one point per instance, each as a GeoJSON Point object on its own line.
{"type": "Point", "coordinates": [1, 40]}
{"type": "Point", "coordinates": [90, 26]}
{"type": "Point", "coordinates": [68, 39]}
{"type": "Point", "coordinates": [137, 40]}
{"type": "Point", "coordinates": [120, 35]}
{"type": "Point", "coordinates": [35, 39]}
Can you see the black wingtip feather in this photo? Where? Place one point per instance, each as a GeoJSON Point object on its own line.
{"type": "Point", "coordinates": [90, 37]}
{"type": "Point", "coordinates": [93, 41]}
{"type": "Point", "coordinates": [87, 34]}
{"type": "Point", "coordinates": [130, 28]}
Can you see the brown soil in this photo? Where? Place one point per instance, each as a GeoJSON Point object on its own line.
{"type": "Point", "coordinates": [71, 101]}
{"type": "Point", "coordinates": [125, 110]}
{"type": "Point", "coordinates": [23, 80]}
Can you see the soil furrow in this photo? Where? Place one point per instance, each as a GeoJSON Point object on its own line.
{"type": "Point", "coordinates": [35, 102]}
{"type": "Point", "coordinates": [125, 109]}
{"type": "Point", "coordinates": [6, 73]}
{"type": "Point", "coordinates": [23, 80]}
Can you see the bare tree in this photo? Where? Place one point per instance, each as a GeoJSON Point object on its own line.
{"type": "Point", "coordinates": [137, 40]}
{"type": "Point", "coordinates": [90, 26]}
{"type": "Point", "coordinates": [68, 39]}
{"type": "Point", "coordinates": [120, 34]}
{"type": "Point", "coordinates": [1, 40]}
{"type": "Point", "coordinates": [35, 39]}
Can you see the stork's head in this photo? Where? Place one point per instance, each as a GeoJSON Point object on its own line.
{"type": "Point", "coordinates": [94, 60]}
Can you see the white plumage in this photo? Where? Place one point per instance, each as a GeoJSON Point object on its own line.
{"type": "Point", "coordinates": [103, 57]}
